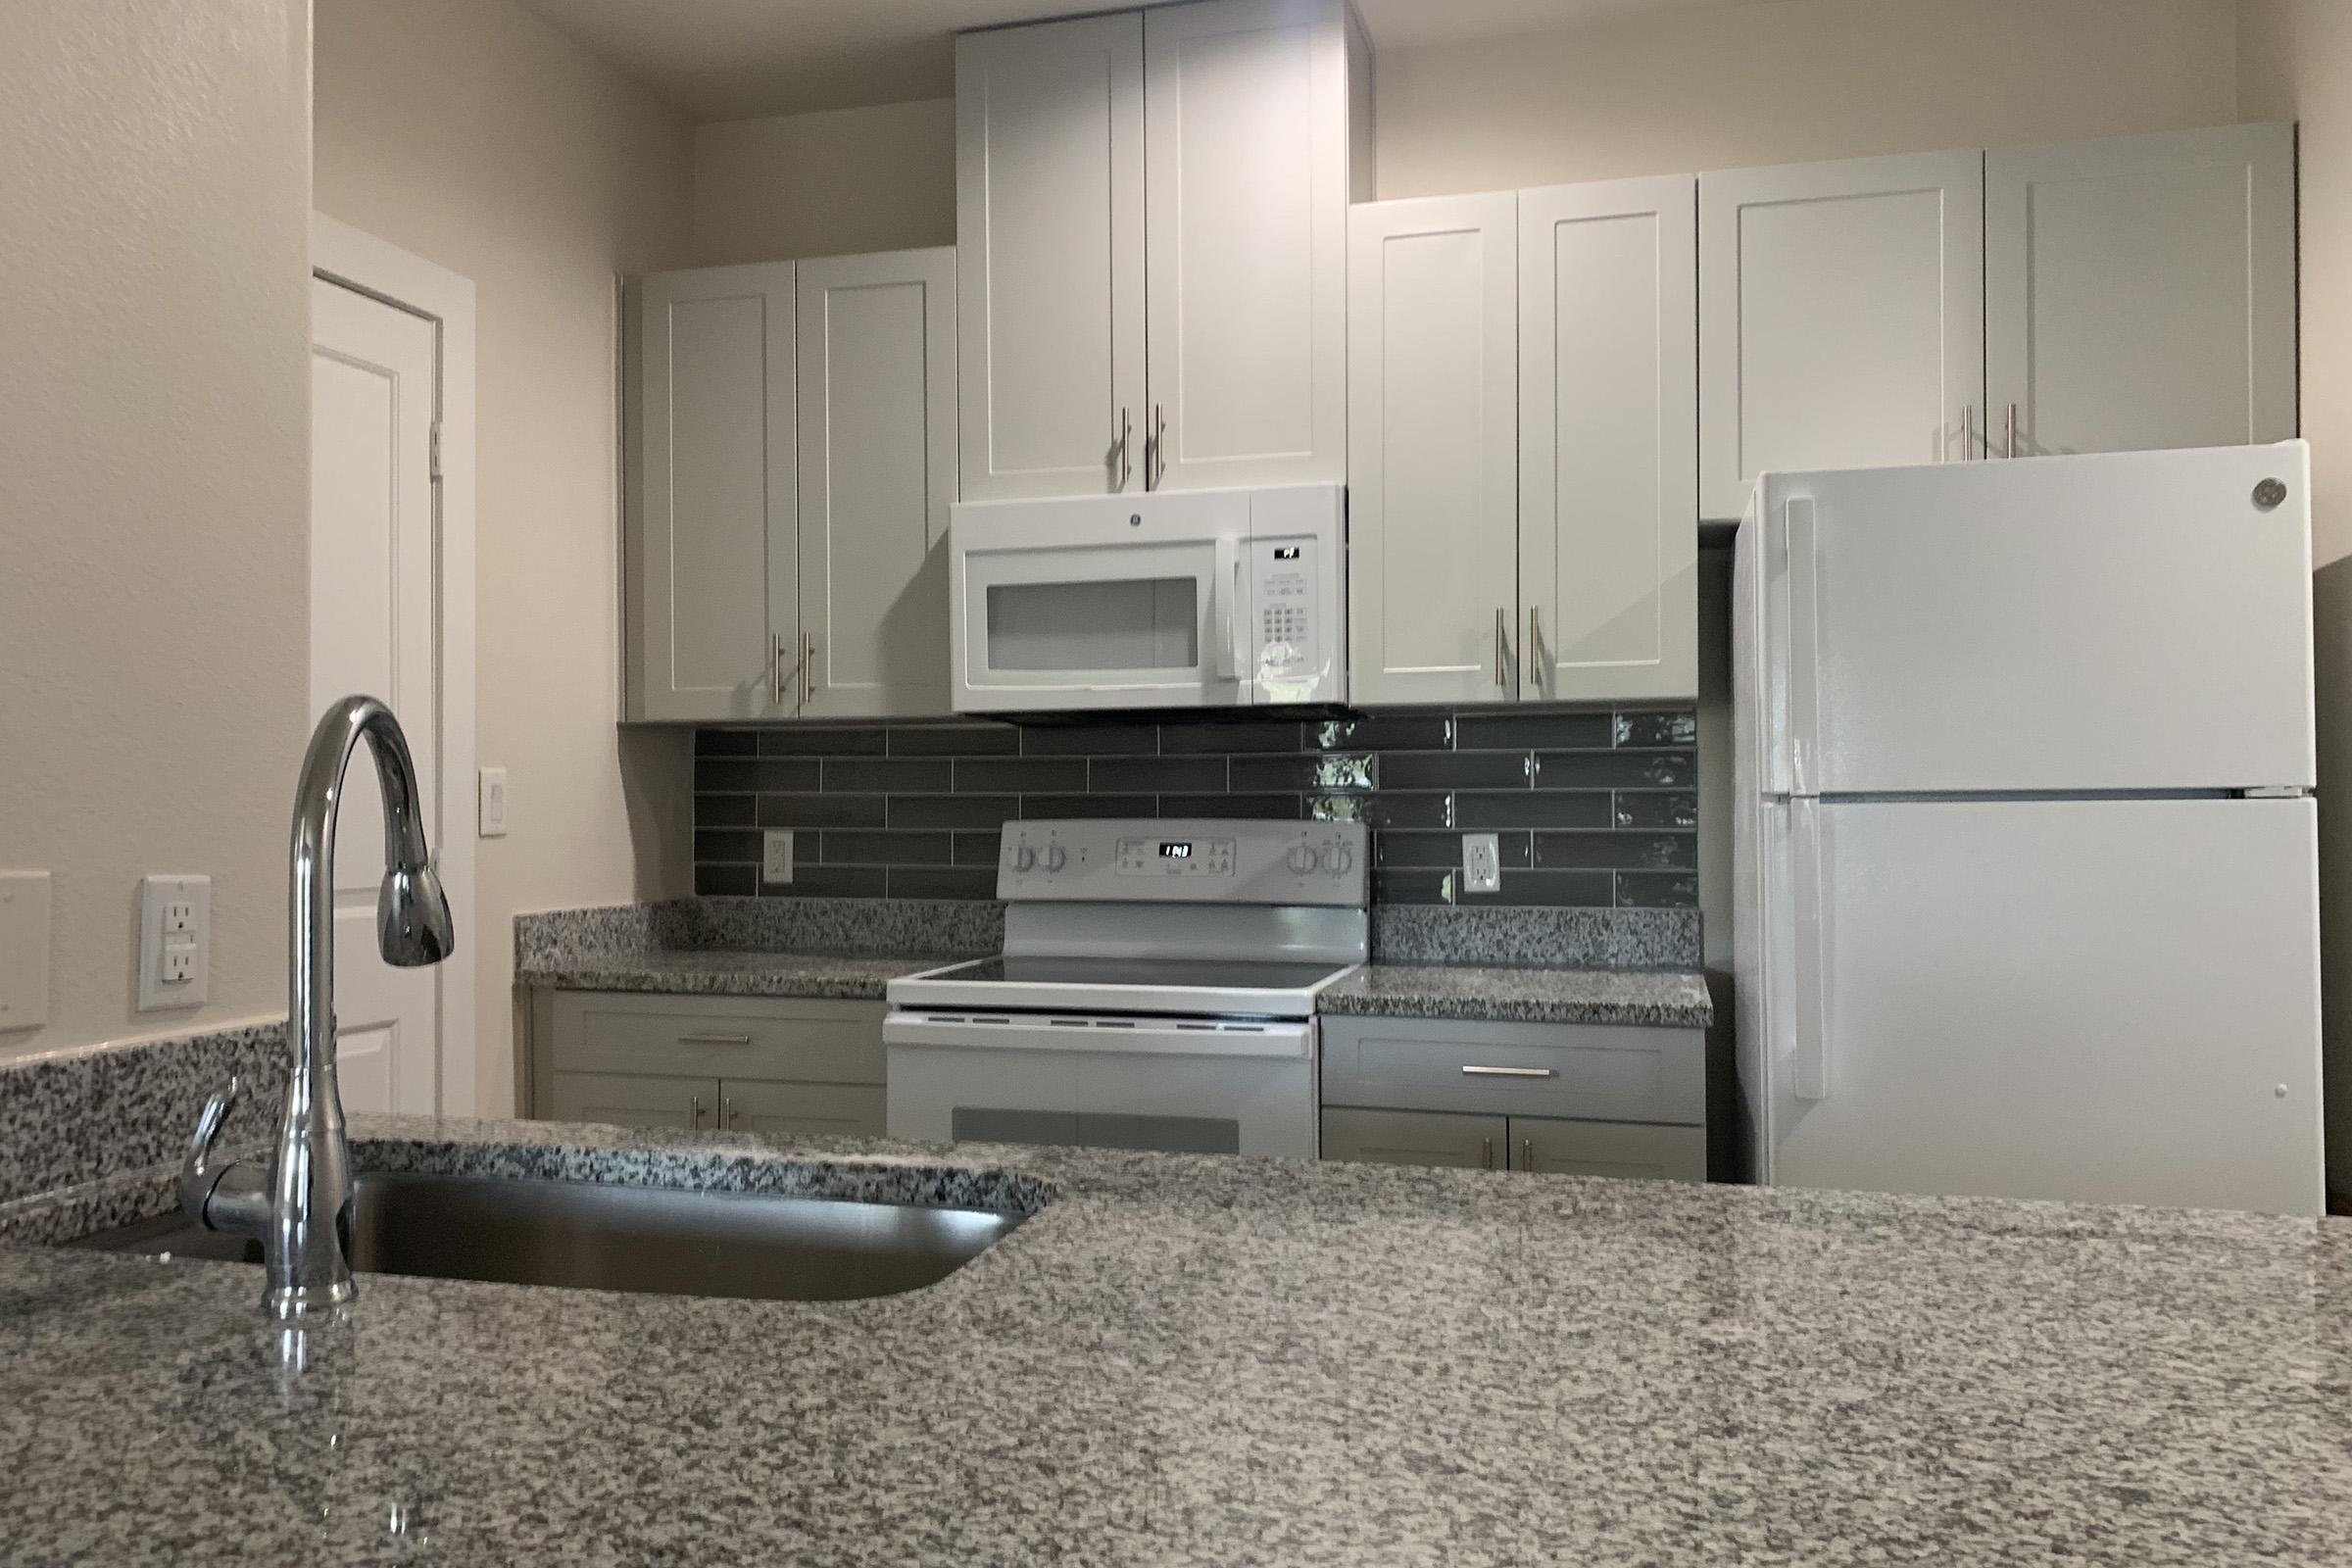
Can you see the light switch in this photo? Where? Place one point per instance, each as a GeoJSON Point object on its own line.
{"type": "Point", "coordinates": [493, 803]}
{"type": "Point", "coordinates": [175, 940]}
{"type": "Point", "coordinates": [24, 949]}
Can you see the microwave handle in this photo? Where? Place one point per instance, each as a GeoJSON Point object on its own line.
{"type": "Point", "coordinates": [1227, 619]}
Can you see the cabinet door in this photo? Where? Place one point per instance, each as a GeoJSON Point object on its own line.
{"type": "Point", "coordinates": [716, 579]}
{"type": "Point", "coordinates": [1608, 439]}
{"type": "Point", "coordinates": [877, 458]}
{"type": "Point", "coordinates": [1547, 1148]}
{"type": "Point", "coordinates": [2140, 292]}
{"type": "Point", "coordinates": [1841, 319]}
{"type": "Point", "coordinates": [1433, 503]}
{"type": "Point", "coordinates": [802, 1111]}
{"type": "Point", "coordinates": [1415, 1138]}
{"type": "Point", "coordinates": [1246, 152]}
{"type": "Point", "coordinates": [614, 1101]}
{"type": "Point", "coordinates": [1049, 257]}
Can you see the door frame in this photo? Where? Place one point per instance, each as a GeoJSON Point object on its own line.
{"type": "Point", "coordinates": [352, 259]}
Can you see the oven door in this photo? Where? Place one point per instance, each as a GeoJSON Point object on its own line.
{"type": "Point", "coordinates": [1204, 1085]}
{"type": "Point", "coordinates": [1106, 601]}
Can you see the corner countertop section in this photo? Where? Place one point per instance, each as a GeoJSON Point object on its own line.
{"type": "Point", "coordinates": [1188, 1360]}
{"type": "Point", "coordinates": [1675, 998]}
{"type": "Point", "coordinates": [848, 977]}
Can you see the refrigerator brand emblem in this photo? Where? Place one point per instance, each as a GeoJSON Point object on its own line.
{"type": "Point", "coordinates": [2268, 494]}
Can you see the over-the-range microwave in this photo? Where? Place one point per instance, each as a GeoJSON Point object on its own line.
{"type": "Point", "coordinates": [1172, 599]}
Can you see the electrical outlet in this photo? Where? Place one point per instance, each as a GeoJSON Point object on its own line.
{"type": "Point", "coordinates": [493, 803]}
{"type": "Point", "coordinates": [24, 949]}
{"type": "Point", "coordinates": [1482, 864]}
{"type": "Point", "coordinates": [776, 858]}
{"type": "Point", "coordinates": [175, 940]}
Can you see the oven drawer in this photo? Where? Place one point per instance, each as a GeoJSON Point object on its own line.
{"type": "Point", "coordinates": [1594, 1072]}
{"type": "Point", "coordinates": [774, 1039]}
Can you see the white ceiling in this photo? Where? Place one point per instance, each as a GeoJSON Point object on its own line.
{"type": "Point", "coordinates": [733, 59]}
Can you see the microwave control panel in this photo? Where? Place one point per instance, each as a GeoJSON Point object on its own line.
{"type": "Point", "coordinates": [1289, 644]}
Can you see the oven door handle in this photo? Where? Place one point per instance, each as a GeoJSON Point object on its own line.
{"type": "Point", "coordinates": [1280, 1040]}
{"type": "Point", "coordinates": [1226, 616]}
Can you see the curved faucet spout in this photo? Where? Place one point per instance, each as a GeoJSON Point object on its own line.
{"type": "Point", "coordinates": [305, 1228]}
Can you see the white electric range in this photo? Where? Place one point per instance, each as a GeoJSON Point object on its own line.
{"type": "Point", "coordinates": [1156, 990]}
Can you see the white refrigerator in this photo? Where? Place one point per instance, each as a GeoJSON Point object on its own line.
{"type": "Point", "coordinates": [2026, 887]}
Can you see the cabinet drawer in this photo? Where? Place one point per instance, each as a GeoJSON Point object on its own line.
{"type": "Point", "coordinates": [1549, 1148]}
{"type": "Point", "coordinates": [741, 1038]}
{"type": "Point", "coordinates": [1415, 1138]}
{"type": "Point", "coordinates": [1600, 1073]}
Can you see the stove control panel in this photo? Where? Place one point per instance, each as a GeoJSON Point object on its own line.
{"type": "Point", "coordinates": [1195, 862]}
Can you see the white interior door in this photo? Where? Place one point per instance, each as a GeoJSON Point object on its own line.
{"type": "Point", "coordinates": [1433, 449]}
{"type": "Point", "coordinates": [1245, 163]}
{"type": "Point", "coordinates": [1049, 257]}
{"type": "Point", "coordinates": [2102, 1000]}
{"type": "Point", "coordinates": [1608, 421]}
{"type": "Point", "coordinates": [2140, 291]}
{"type": "Point", "coordinates": [2123, 621]}
{"type": "Point", "coordinates": [374, 629]}
{"type": "Point", "coordinates": [877, 462]}
{"type": "Point", "coordinates": [1841, 318]}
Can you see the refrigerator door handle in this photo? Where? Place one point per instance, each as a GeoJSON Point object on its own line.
{"type": "Point", "coordinates": [1804, 649]}
{"type": "Point", "coordinates": [1811, 1057]}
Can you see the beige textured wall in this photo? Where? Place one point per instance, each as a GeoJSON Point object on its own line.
{"type": "Point", "coordinates": [1691, 90]}
{"type": "Point", "coordinates": [2295, 62]}
{"type": "Point", "coordinates": [154, 481]}
{"type": "Point", "coordinates": [834, 183]}
{"type": "Point", "coordinates": [476, 135]}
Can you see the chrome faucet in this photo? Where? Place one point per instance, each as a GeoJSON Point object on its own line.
{"type": "Point", "coordinates": [300, 1207]}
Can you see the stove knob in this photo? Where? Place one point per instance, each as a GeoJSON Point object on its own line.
{"type": "Point", "coordinates": [1339, 859]}
{"type": "Point", "coordinates": [1055, 859]}
{"type": "Point", "coordinates": [1024, 858]}
{"type": "Point", "coordinates": [1302, 860]}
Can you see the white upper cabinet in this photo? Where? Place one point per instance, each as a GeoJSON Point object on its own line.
{"type": "Point", "coordinates": [877, 471]}
{"type": "Point", "coordinates": [714, 544]}
{"type": "Point", "coordinates": [1608, 432]}
{"type": "Point", "coordinates": [1433, 505]}
{"type": "Point", "coordinates": [1841, 318]}
{"type": "Point", "coordinates": [2140, 291]}
{"type": "Point", "coordinates": [1246, 160]}
{"type": "Point", "coordinates": [1049, 241]}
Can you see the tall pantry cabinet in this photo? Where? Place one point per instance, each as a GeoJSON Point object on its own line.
{"type": "Point", "coordinates": [1150, 236]}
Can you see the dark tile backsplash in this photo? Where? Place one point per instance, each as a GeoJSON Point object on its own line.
{"type": "Point", "coordinates": [1592, 809]}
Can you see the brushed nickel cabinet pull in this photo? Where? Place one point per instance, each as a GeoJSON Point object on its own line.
{"type": "Point", "coordinates": [697, 1113]}
{"type": "Point", "coordinates": [1486, 1153]}
{"type": "Point", "coordinates": [714, 1040]}
{"type": "Point", "coordinates": [1507, 1072]}
{"type": "Point", "coordinates": [1501, 676]}
{"type": "Point", "coordinates": [734, 1116]}
{"type": "Point", "coordinates": [1526, 1155]}
{"type": "Point", "coordinates": [1968, 428]}
{"type": "Point", "coordinates": [1126, 467]}
{"type": "Point", "coordinates": [1156, 450]}
{"type": "Point", "coordinates": [2011, 449]}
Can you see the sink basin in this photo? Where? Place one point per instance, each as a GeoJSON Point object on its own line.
{"type": "Point", "coordinates": [592, 1236]}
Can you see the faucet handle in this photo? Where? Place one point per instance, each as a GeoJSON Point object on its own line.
{"type": "Point", "coordinates": [197, 1175]}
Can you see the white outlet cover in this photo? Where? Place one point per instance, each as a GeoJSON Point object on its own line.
{"type": "Point", "coordinates": [24, 949]}
{"type": "Point", "coordinates": [492, 803]}
{"type": "Point", "coordinates": [175, 942]}
{"type": "Point", "coordinates": [775, 858]}
{"type": "Point", "coordinates": [1482, 862]}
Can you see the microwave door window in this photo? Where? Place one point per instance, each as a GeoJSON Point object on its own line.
{"type": "Point", "coordinates": [1099, 627]}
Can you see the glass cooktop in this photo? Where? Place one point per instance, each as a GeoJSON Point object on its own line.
{"type": "Point", "coordinates": [1219, 974]}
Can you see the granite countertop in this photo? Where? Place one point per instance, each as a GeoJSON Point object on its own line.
{"type": "Point", "coordinates": [703, 973]}
{"type": "Point", "coordinates": [1673, 999]}
{"type": "Point", "coordinates": [1219, 1361]}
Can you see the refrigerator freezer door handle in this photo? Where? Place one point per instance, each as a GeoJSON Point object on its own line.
{"type": "Point", "coordinates": [1804, 649]}
{"type": "Point", "coordinates": [1811, 1057]}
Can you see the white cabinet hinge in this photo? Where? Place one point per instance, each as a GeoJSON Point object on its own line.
{"type": "Point", "coordinates": [433, 449]}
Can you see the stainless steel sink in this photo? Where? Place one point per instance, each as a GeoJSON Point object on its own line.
{"type": "Point", "coordinates": [592, 1236]}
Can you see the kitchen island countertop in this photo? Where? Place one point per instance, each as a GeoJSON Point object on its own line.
{"type": "Point", "coordinates": [1222, 1361]}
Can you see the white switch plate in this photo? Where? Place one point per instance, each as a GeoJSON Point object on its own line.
{"type": "Point", "coordinates": [493, 803]}
{"type": "Point", "coordinates": [175, 940]}
{"type": "Point", "coordinates": [1482, 864]}
{"type": "Point", "coordinates": [776, 858]}
{"type": "Point", "coordinates": [24, 949]}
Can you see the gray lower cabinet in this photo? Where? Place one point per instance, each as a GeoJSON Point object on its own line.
{"type": "Point", "coordinates": [783, 1065]}
{"type": "Point", "coordinates": [620, 1100]}
{"type": "Point", "coordinates": [1551, 1098]}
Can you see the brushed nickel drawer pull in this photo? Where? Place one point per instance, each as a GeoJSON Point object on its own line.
{"type": "Point", "coordinates": [1507, 1072]}
{"type": "Point", "coordinates": [1486, 1153]}
{"type": "Point", "coordinates": [714, 1040]}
